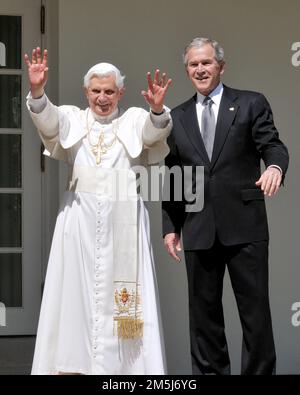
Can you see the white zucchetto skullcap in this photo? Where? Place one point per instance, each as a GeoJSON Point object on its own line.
{"type": "Point", "coordinates": [103, 70]}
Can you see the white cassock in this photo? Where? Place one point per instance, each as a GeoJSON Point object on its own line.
{"type": "Point", "coordinates": [76, 329]}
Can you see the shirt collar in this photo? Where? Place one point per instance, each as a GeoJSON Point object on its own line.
{"type": "Point", "coordinates": [215, 95]}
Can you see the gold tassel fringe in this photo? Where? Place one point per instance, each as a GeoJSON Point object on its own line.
{"type": "Point", "coordinates": [130, 328]}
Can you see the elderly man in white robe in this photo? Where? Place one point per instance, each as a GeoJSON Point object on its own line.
{"type": "Point", "coordinates": [100, 310]}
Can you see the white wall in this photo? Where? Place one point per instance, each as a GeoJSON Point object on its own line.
{"type": "Point", "coordinates": [50, 178]}
{"type": "Point", "coordinates": [137, 36]}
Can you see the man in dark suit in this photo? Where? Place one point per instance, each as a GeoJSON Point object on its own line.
{"type": "Point", "coordinates": [228, 132]}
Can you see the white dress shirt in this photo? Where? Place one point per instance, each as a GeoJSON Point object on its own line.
{"type": "Point", "coordinates": [216, 96]}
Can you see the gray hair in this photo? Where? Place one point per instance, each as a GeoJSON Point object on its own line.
{"type": "Point", "coordinates": [104, 70]}
{"type": "Point", "coordinates": [198, 42]}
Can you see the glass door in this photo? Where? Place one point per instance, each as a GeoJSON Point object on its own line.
{"type": "Point", "coordinates": [20, 174]}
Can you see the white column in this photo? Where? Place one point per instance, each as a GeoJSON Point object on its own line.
{"type": "Point", "coordinates": [2, 314]}
{"type": "Point", "coordinates": [2, 55]}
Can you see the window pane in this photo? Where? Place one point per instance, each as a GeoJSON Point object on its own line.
{"type": "Point", "coordinates": [10, 161]}
{"type": "Point", "coordinates": [10, 42]}
{"type": "Point", "coordinates": [10, 101]}
{"type": "Point", "coordinates": [11, 280]}
{"type": "Point", "coordinates": [11, 220]}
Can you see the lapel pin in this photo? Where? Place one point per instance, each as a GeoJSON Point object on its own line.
{"type": "Point", "coordinates": [231, 109]}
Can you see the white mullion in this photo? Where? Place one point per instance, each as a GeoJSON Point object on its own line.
{"type": "Point", "coordinates": [12, 250]}
{"type": "Point", "coordinates": [11, 71]}
{"type": "Point", "coordinates": [11, 191]}
{"type": "Point", "coordinates": [11, 131]}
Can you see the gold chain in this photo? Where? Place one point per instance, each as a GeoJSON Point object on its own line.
{"type": "Point", "coordinates": [100, 148]}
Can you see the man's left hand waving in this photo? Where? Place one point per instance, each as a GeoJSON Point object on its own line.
{"type": "Point", "coordinates": [157, 90]}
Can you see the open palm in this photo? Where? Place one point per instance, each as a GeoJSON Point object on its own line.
{"type": "Point", "coordinates": [37, 69]}
{"type": "Point", "coordinates": [157, 90]}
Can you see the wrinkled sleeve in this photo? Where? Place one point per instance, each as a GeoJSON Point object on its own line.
{"type": "Point", "coordinates": [59, 127]}
{"type": "Point", "coordinates": [48, 121]}
{"type": "Point", "coordinates": [155, 131]}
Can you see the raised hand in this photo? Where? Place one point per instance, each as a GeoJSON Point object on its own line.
{"type": "Point", "coordinates": [37, 71]}
{"type": "Point", "coordinates": [157, 90]}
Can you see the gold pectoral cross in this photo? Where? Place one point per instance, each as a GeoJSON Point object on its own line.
{"type": "Point", "coordinates": [99, 150]}
{"type": "Point", "coordinates": [98, 157]}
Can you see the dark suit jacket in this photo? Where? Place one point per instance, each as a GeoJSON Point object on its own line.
{"type": "Point", "coordinates": [234, 207]}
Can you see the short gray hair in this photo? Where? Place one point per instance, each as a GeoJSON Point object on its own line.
{"type": "Point", "coordinates": [104, 70]}
{"type": "Point", "coordinates": [198, 42]}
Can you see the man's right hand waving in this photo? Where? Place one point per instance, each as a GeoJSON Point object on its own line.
{"type": "Point", "coordinates": [37, 71]}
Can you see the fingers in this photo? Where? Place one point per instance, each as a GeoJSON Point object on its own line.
{"type": "Point", "coordinates": [173, 253]}
{"type": "Point", "coordinates": [27, 61]}
{"type": "Point", "coordinates": [270, 181]}
{"type": "Point", "coordinates": [45, 58]}
{"type": "Point", "coordinates": [157, 77]}
{"type": "Point", "coordinates": [157, 89]}
{"type": "Point", "coordinates": [178, 245]}
{"type": "Point", "coordinates": [273, 188]}
{"type": "Point", "coordinates": [169, 82]}
{"type": "Point", "coordinates": [150, 82]}
{"type": "Point", "coordinates": [146, 96]}
{"type": "Point", "coordinates": [259, 182]}
{"type": "Point", "coordinates": [36, 57]}
{"type": "Point", "coordinates": [33, 56]}
{"type": "Point", "coordinates": [172, 244]}
{"type": "Point", "coordinates": [271, 185]}
{"type": "Point", "coordinates": [159, 80]}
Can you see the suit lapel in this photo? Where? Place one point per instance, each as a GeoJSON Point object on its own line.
{"type": "Point", "coordinates": [189, 122]}
{"type": "Point", "coordinates": [227, 112]}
